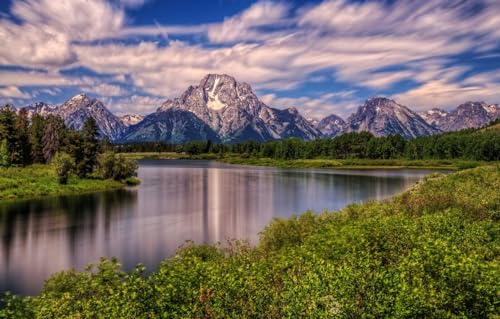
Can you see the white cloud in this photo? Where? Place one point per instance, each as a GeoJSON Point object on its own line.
{"type": "Point", "coordinates": [13, 92]}
{"type": "Point", "coordinates": [37, 78]}
{"type": "Point", "coordinates": [104, 89]}
{"type": "Point", "coordinates": [365, 44]}
{"type": "Point", "coordinates": [43, 38]}
{"type": "Point", "coordinates": [135, 104]}
{"type": "Point", "coordinates": [448, 95]}
{"type": "Point", "coordinates": [340, 103]}
{"type": "Point", "coordinates": [244, 26]}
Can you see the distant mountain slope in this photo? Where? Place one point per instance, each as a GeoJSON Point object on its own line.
{"type": "Point", "coordinates": [467, 115]}
{"type": "Point", "coordinates": [331, 126]}
{"type": "Point", "coordinates": [40, 108]}
{"type": "Point", "coordinates": [131, 119]}
{"type": "Point", "coordinates": [173, 126]}
{"type": "Point", "coordinates": [77, 110]}
{"type": "Point", "coordinates": [382, 117]}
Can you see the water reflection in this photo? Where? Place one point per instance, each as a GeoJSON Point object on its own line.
{"type": "Point", "coordinates": [177, 201]}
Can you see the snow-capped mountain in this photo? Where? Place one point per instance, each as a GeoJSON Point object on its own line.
{"type": "Point", "coordinates": [493, 110]}
{"type": "Point", "coordinates": [78, 109]}
{"type": "Point", "coordinates": [382, 117]}
{"type": "Point", "coordinates": [467, 115]}
{"type": "Point", "coordinates": [131, 119]}
{"type": "Point", "coordinates": [224, 110]}
{"type": "Point", "coordinates": [434, 116]}
{"type": "Point", "coordinates": [236, 114]}
{"type": "Point", "coordinates": [40, 108]}
{"type": "Point", "coordinates": [331, 126]}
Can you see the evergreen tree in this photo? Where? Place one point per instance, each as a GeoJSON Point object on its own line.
{"type": "Point", "coordinates": [52, 137]}
{"type": "Point", "coordinates": [90, 134]}
{"type": "Point", "coordinates": [23, 139]}
{"type": "Point", "coordinates": [4, 153]}
{"type": "Point", "coordinates": [8, 132]}
{"type": "Point", "coordinates": [36, 132]}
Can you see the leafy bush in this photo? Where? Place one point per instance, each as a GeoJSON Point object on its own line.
{"type": "Point", "coordinates": [63, 164]}
{"type": "Point", "coordinates": [117, 167]}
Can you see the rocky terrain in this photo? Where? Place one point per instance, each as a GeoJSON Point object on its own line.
{"type": "Point", "coordinates": [331, 126]}
{"type": "Point", "coordinates": [224, 110]}
{"type": "Point", "coordinates": [467, 115]}
{"type": "Point", "coordinates": [382, 117]}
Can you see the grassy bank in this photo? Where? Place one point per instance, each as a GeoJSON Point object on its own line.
{"type": "Point", "coordinates": [40, 180]}
{"type": "Point", "coordinates": [432, 252]}
{"type": "Point", "coordinates": [315, 163]}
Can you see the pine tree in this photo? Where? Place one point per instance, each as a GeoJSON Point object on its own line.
{"type": "Point", "coordinates": [52, 137]}
{"type": "Point", "coordinates": [90, 147]}
{"type": "Point", "coordinates": [23, 140]}
{"type": "Point", "coordinates": [36, 132]}
{"type": "Point", "coordinates": [8, 132]}
{"type": "Point", "coordinates": [4, 153]}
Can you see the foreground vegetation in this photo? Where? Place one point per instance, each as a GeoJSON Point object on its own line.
{"type": "Point", "coordinates": [432, 252]}
{"type": "Point", "coordinates": [41, 180]}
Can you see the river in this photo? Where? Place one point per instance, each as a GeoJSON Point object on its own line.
{"type": "Point", "coordinates": [202, 201]}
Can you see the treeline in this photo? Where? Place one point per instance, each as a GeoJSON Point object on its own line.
{"type": "Point", "coordinates": [469, 144]}
{"type": "Point", "coordinates": [44, 140]}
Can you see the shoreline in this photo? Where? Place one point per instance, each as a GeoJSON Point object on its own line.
{"type": "Point", "coordinates": [341, 164]}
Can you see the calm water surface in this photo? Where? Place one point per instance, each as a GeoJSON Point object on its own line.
{"type": "Point", "coordinates": [203, 201]}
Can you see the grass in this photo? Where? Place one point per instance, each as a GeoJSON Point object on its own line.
{"type": "Point", "coordinates": [169, 156]}
{"type": "Point", "coordinates": [40, 180]}
{"type": "Point", "coordinates": [454, 164]}
{"type": "Point", "coordinates": [355, 163]}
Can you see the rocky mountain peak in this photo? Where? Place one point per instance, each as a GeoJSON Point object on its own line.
{"type": "Point", "coordinates": [471, 107]}
{"type": "Point", "coordinates": [79, 99]}
{"type": "Point", "coordinates": [382, 117]}
{"type": "Point", "coordinates": [235, 113]}
{"type": "Point", "coordinates": [131, 119]}
{"type": "Point", "coordinates": [331, 126]}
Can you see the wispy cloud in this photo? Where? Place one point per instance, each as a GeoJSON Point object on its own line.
{"type": "Point", "coordinates": [272, 45]}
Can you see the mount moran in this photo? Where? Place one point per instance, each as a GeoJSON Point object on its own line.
{"type": "Point", "coordinates": [224, 110]}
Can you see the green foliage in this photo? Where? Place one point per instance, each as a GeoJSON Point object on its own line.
{"type": "Point", "coordinates": [36, 132]}
{"type": "Point", "coordinates": [117, 167]}
{"type": "Point", "coordinates": [63, 164]}
{"type": "Point", "coordinates": [197, 147]}
{"type": "Point", "coordinates": [4, 153]}
{"type": "Point", "coordinates": [90, 148]}
{"type": "Point", "coordinates": [41, 180]}
{"type": "Point", "coordinates": [52, 137]}
{"type": "Point", "coordinates": [432, 252]}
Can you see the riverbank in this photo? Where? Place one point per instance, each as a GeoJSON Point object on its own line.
{"type": "Point", "coordinates": [316, 163]}
{"type": "Point", "coordinates": [355, 163]}
{"type": "Point", "coordinates": [40, 180]}
{"type": "Point", "coordinates": [432, 252]}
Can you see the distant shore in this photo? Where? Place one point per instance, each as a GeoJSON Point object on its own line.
{"type": "Point", "coordinates": [454, 164]}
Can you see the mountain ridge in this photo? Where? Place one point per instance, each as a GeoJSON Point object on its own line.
{"type": "Point", "coordinates": [224, 110]}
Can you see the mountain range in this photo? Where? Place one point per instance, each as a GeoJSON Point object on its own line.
{"type": "Point", "coordinates": [223, 110]}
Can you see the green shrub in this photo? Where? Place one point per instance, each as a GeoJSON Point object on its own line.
{"type": "Point", "coordinates": [117, 167]}
{"type": "Point", "coordinates": [63, 164]}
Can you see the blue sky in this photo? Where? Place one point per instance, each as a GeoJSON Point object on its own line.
{"type": "Point", "coordinates": [322, 57]}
